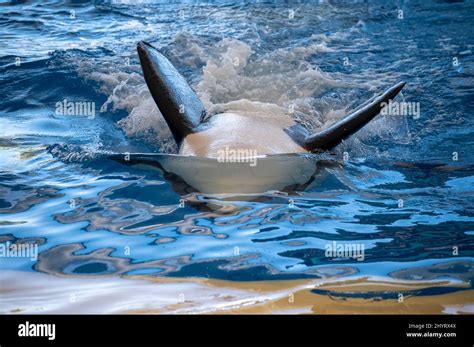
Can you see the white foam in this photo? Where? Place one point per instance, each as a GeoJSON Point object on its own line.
{"type": "Point", "coordinates": [234, 78]}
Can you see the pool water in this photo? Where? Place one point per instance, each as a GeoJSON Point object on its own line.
{"type": "Point", "coordinates": [401, 189]}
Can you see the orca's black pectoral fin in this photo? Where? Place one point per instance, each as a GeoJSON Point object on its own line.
{"type": "Point", "coordinates": [177, 102]}
{"type": "Point", "coordinates": [336, 133]}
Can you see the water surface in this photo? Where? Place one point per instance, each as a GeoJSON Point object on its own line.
{"type": "Point", "coordinates": [402, 187]}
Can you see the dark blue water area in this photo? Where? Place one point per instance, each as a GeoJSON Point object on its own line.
{"type": "Point", "coordinates": [402, 188]}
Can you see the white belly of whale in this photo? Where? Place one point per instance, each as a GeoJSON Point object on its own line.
{"type": "Point", "coordinates": [254, 134]}
{"type": "Point", "coordinates": [270, 173]}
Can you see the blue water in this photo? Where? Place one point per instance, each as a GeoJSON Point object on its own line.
{"type": "Point", "coordinates": [403, 187]}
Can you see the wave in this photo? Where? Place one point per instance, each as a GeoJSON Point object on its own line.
{"type": "Point", "coordinates": [234, 78]}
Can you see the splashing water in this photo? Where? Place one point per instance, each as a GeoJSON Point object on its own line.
{"type": "Point", "coordinates": [402, 187]}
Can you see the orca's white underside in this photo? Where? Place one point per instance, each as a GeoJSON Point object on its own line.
{"type": "Point", "coordinates": [208, 175]}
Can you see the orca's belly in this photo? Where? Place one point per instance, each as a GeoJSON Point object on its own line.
{"type": "Point", "coordinates": [208, 175]}
{"type": "Point", "coordinates": [269, 173]}
{"type": "Point", "coordinates": [258, 135]}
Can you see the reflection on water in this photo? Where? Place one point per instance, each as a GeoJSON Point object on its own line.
{"type": "Point", "coordinates": [133, 222]}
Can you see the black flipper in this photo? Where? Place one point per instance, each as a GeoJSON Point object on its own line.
{"type": "Point", "coordinates": [177, 102]}
{"type": "Point", "coordinates": [333, 135]}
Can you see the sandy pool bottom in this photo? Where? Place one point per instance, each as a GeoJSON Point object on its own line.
{"type": "Point", "coordinates": [37, 293]}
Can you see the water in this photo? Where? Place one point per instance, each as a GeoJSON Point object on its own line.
{"type": "Point", "coordinates": [402, 187]}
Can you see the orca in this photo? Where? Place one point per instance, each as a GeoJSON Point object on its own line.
{"type": "Point", "coordinates": [286, 153]}
{"type": "Point", "coordinates": [199, 134]}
